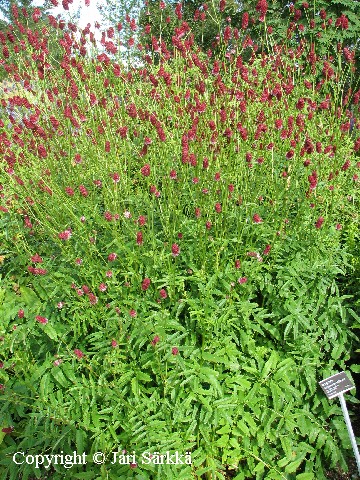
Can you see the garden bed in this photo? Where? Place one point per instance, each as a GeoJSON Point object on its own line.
{"type": "Point", "coordinates": [181, 270]}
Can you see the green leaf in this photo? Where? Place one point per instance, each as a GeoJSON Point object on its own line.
{"type": "Point", "coordinates": [305, 476]}
{"type": "Point", "coordinates": [142, 376]}
{"type": "Point", "coordinates": [223, 441]}
{"type": "Point", "coordinates": [84, 475]}
{"type": "Point", "coordinates": [59, 377]}
{"type": "Point", "coordinates": [293, 466]}
{"type": "Point", "coordinates": [270, 364]}
{"type": "Point", "coordinates": [210, 357]}
{"type": "Point", "coordinates": [260, 467]}
{"type": "Point", "coordinates": [355, 368]}
{"type": "Point", "coordinates": [242, 426]}
{"type": "Point", "coordinates": [283, 461]}
{"type": "Point", "coordinates": [225, 429]}
{"type": "Point", "coordinates": [69, 372]}
{"type": "Point", "coordinates": [287, 446]}
{"type": "Point", "coordinates": [112, 431]}
{"type": "Point", "coordinates": [248, 417]}
{"type": "Point", "coordinates": [2, 435]}
{"type": "Point", "coordinates": [80, 437]}
{"type": "Point", "coordinates": [44, 385]}
{"type": "Point", "coordinates": [135, 387]}
{"type": "Point", "coordinates": [29, 296]}
{"type": "Point", "coordinates": [50, 331]}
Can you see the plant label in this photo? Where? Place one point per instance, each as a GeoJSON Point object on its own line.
{"type": "Point", "coordinates": [336, 384]}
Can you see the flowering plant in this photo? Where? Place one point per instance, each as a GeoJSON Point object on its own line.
{"type": "Point", "coordinates": [196, 240]}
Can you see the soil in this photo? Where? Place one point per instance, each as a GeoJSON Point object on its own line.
{"type": "Point", "coordinates": [353, 473]}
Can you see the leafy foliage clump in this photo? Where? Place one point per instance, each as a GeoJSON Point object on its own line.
{"type": "Point", "coordinates": [178, 259]}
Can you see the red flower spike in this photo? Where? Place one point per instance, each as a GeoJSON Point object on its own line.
{"type": "Point", "coordinates": [257, 218]}
{"type": "Point", "coordinates": [262, 7]}
{"type": "Point", "coordinates": [346, 165]}
{"type": "Point", "coordinates": [313, 179]}
{"type": "Point", "coordinates": [145, 170]}
{"type": "Point", "coordinates": [83, 191]}
{"type": "Point", "coordinates": [267, 250]}
{"type": "Point", "coordinates": [155, 340]}
{"type": "Point", "coordinates": [142, 220]}
{"type": "Point", "coordinates": [93, 299]}
{"type": "Point", "coordinates": [7, 429]}
{"type": "Point", "coordinates": [139, 238]}
{"type": "Point", "coordinates": [36, 15]}
{"type": "Point", "coordinates": [42, 320]}
{"type": "Point", "coordinates": [65, 235]}
{"type": "Point", "coordinates": [245, 21]}
{"type": "Point", "coordinates": [36, 258]}
{"type": "Point", "coordinates": [145, 284]}
{"type": "Point", "coordinates": [116, 177]}
{"type": "Point", "coordinates": [342, 22]}
{"type": "Point", "coordinates": [319, 222]}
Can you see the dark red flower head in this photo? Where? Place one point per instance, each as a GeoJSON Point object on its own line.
{"type": "Point", "coordinates": [78, 353]}
{"type": "Point", "coordinates": [245, 21]}
{"type": "Point", "coordinates": [145, 171]}
{"type": "Point", "coordinates": [36, 258]}
{"type": "Point", "coordinates": [139, 238]}
{"type": "Point", "coordinates": [155, 340]}
{"type": "Point", "coordinates": [163, 293]}
{"type": "Point", "coordinates": [257, 218]}
{"type": "Point", "coordinates": [175, 249]}
{"type": "Point", "coordinates": [262, 7]}
{"type": "Point", "coordinates": [41, 319]}
{"type": "Point", "coordinates": [145, 284]}
{"type": "Point", "coordinates": [319, 222]}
